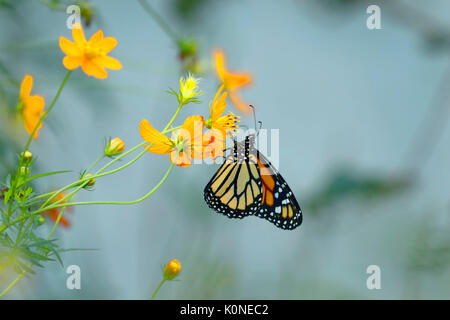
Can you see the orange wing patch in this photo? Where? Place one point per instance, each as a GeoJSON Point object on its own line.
{"type": "Point", "coordinates": [268, 183]}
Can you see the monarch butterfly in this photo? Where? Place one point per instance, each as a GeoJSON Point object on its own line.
{"type": "Point", "coordinates": [248, 184]}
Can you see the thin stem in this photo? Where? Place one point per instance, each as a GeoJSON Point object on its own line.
{"type": "Point", "coordinates": [159, 20]}
{"type": "Point", "coordinates": [157, 289]}
{"type": "Point", "coordinates": [107, 202]}
{"type": "Point", "coordinates": [97, 202]}
{"type": "Point", "coordinates": [56, 223]}
{"type": "Point", "coordinates": [95, 163]}
{"type": "Point", "coordinates": [173, 118]}
{"type": "Point", "coordinates": [47, 111]}
{"type": "Point", "coordinates": [12, 284]}
{"type": "Point", "coordinates": [97, 174]}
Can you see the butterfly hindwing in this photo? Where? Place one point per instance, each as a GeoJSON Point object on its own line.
{"type": "Point", "coordinates": [278, 204]}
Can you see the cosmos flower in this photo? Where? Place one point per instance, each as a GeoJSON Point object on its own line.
{"type": "Point", "coordinates": [90, 55]}
{"type": "Point", "coordinates": [232, 81]}
{"type": "Point", "coordinates": [187, 143]}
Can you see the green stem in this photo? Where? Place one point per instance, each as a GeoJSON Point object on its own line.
{"type": "Point", "coordinates": [157, 289]}
{"type": "Point", "coordinates": [53, 206]}
{"type": "Point", "coordinates": [95, 163]}
{"type": "Point", "coordinates": [173, 118]}
{"type": "Point", "coordinates": [47, 111]}
{"type": "Point", "coordinates": [98, 173]}
{"type": "Point", "coordinates": [159, 20]}
{"type": "Point", "coordinates": [56, 223]}
{"type": "Point", "coordinates": [12, 284]}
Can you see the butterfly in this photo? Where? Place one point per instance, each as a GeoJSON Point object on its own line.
{"type": "Point", "coordinates": [248, 184]}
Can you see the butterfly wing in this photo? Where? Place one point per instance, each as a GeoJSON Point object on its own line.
{"type": "Point", "coordinates": [278, 203]}
{"type": "Point", "coordinates": [235, 189]}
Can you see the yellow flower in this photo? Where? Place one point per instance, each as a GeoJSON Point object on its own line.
{"type": "Point", "coordinates": [225, 124]}
{"type": "Point", "coordinates": [186, 145]}
{"type": "Point", "coordinates": [30, 107]}
{"type": "Point", "coordinates": [172, 269]}
{"type": "Point", "coordinates": [90, 55]}
{"type": "Point", "coordinates": [188, 90]}
{"type": "Point", "coordinates": [114, 147]}
{"type": "Point", "coordinates": [232, 81]}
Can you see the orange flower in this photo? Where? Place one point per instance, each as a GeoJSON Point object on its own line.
{"type": "Point", "coordinates": [186, 145]}
{"type": "Point", "coordinates": [90, 55]}
{"type": "Point", "coordinates": [214, 144]}
{"type": "Point", "coordinates": [232, 81]}
{"type": "Point", "coordinates": [30, 107]}
{"type": "Point", "coordinates": [225, 124]}
{"type": "Point", "coordinates": [54, 213]}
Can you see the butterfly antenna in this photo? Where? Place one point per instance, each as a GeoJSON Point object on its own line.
{"type": "Point", "coordinates": [254, 113]}
{"type": "Point", "coordinates": [260, 126]}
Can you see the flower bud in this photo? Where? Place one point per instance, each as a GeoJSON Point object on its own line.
{"type": "Point", "coordinates": [91, 182]}
{"type": "Point", "coordinates": [114, 147]}
{"type": "Point", "coordinates": [172, 269]}
{"type": "Point", "coordinates": [24, 171]}
{"type": "Point", "coordinates": [86, 12]}
{"type": "Point", "coordinates": [41, 220]}
{"type": "Point", "coordinates": [187, 48]}
{"type": "Point", "coordinates": [27, 156]}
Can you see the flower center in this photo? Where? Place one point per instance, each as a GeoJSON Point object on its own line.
{"type": "Point", "coordinates": [208, 123]}
{"type": "Point", "coordinates": [91, 52]}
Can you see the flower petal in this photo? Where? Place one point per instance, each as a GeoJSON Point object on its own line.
{"type": "Point", "coordinates": [71, 62]}
{"type": "Point", "coordinates": [219, 58]}
{"type": "Point", "coordinates": [236, 80]}
{"type": "Point", "coordinates": [239, 103]}
{"type": "Point", "coordinates": [32, 112]}
{"type": "Point", "coordinates": [192, 128]}
{"type": "Point", "coordinates": [219, 104]}
{"type": "Point", "coordinates": [25, 87]}
{"type": "Point", "coordinates": [181, 160]}
{"type": "Point", "coordinates": [96, 38]}
{"type": "Point", "coordinates": [68, 47]}
{"type": "Point", "coordinates": [54, 214]}
{"type": "Point", "coordinates": [161, 144]}
{"type": "Point", "coordinates": [107, 44]}
{"type": "Point", "coordinates": [108, 62]}
{"type": "Point", "coordinates": [78, 35]}
{"type": "Point", "coordinates": [214, 143]}
{"type": "Point", "coordinates": [231, 80]}
{"type": "Point", "coordinates": [92, 69]}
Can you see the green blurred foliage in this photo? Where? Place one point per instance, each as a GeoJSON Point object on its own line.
{"type": "Point", "coordinates": [431, 248]}
{"type": "Point", "coordinates": [189, 10]}
{"type": "Point", "coordinates": [348, 184]}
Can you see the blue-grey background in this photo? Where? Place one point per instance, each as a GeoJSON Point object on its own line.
{"type": "Point", "coordinates": [353, 106]}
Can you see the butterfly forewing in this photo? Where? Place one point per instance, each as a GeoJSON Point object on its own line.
{"type": "Point", "coordinates": [235, 190]}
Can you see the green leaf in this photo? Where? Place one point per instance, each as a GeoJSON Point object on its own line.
{"type": "Point", "coordinates": [46, 174]}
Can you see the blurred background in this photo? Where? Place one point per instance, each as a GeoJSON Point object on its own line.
{"type": "Point", "coordinates": [364, 144]}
